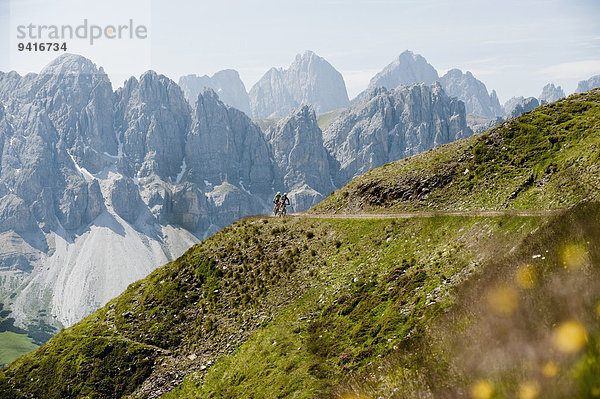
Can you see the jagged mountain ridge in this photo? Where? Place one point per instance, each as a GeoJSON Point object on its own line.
{"type": "Point", "coordinates": [410, 68]}
{"type": "Point", "coordinates": [303, 162]}
{"type": "Point", "coordinates": [473, 92]}
{"type": "Point", "coordinates": [85, 175]}
{"type": "Point", "coordinates": [531, 170]}
{"type": "Point", "coordinates": [551, 93]}
{"type": "Point", "coordinates": [588, 84]}
{"type": "Point", "coordinates": [516, 106]}
{"type": "Point", "coordinates": [226, 83]}
{"type": "Point", "coordinates": [310, 79]}
{"type": "Point", "coordinates": [393, 124]}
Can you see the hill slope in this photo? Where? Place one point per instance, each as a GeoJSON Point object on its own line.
{"type": "Point", "coordinates": [422, 306]}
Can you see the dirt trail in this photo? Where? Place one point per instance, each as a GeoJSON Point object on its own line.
{"type": "Point", "coordinates": [427, 214]}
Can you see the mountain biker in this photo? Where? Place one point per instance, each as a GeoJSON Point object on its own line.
{"type": "Point", "coordinates": [283, 202]}
{"type": "Point", "coordinates": [276, 201]}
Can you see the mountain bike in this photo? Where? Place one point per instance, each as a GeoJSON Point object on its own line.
{"type": "Point", "coordinates": [282, 210]}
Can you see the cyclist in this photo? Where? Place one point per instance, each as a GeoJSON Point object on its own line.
{"type": "Point", "coordinates": [276, 202]}
{"type": "Point", "coordinates": [283, 202]}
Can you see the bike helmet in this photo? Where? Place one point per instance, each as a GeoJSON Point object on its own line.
{"type": "Point", "coordinates": [278, 192]}
{"type": "Point", "coordinates": [285, 194]}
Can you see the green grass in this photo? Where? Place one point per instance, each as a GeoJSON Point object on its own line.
{"type": "Point", "coordinates": [373, 293]}
{"type": "Point", "coordinates": [253, 282]}
{"type": "Point", "coordinates": [13, 345]}
{"type": "Point", "coordinates": [267, 124]}
{"type": "Point", "coordinates": [502, 327]}
{"type": "Point", "coordinates": [325, 119]}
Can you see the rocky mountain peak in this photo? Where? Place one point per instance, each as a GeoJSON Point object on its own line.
{"type": "Point", "coordinates": [588, 84]}
{"type": "Point", "coordinates": [70, 64]}
{"type": "Point", "coordinates": [307, 56]}
{"type": "Point", "coordinates": [152, 118]}
{"type": "Point", "coordinates": [407, 68]}
{"type": "Point", "coordinates": [159, 89]}
{"type": "Point", "coordinates": [551, 93]}
{"type": "Point", "coordinates": [393, 124]}
{"type": "Point", "coordinates": [226, 83]}
{"type": "Point", "coordinates": [224, 145]}
{"type": "Point", "coordinates": [310, 79]}
{"type": "Point", "coordinates": [516, 106]}
{"type": "Point", "coordinates": [209, 95]}
{"type": "Point", "coordinates": [302, 163]}
{"type": "Point", "coordinates": [472, 92]}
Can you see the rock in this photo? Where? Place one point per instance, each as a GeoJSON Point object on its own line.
{"type": "Point", "coordinates": [15, 215]}
{"type": "Point", "coordinates": [551, 93]}
{"type": "Point", "coordinates": [189, 208]}
{"type": "Point", "coordinates": [42, 209]}
{"type": "Point", "coordinates": [152, 118]}
{"type": "Point", "coordinates": [589, 84]}
{"type": "Point", "coordinates": [479, 124]}
{"type": "Point", "coordinates": [304, 197]}
{"type": "Point", "coordinates": [472, 92]}
{"type": "Point", "coordinates": [518, 105]}
{"type": "Point", "coordinates": [227, 84]}
{"type": "Point", "coordinates": [407, 69]}
{"type": "Point", "coordinates": [80, 204]}
{"type": "Point", "coordinates": [233, 203]}
{"type": "Point", "coordinates": [95, 205]}
{"type": "Point", "coordinates": [302, 164]}
{"type": "Point", "coordinates": [125, 199]}
{"type": "Point", "coordinates": [310, 79]}
{"type": "Point", "coordinates": [16, 258]}
{"type": "Point", "coordinates": [225, 146]}
{"type": "Point", "coordinates": [78, 100]}
{"type": "Point", "coordinates": [388, 125]}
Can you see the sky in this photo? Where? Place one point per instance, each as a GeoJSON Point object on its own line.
{"type": "Point", "coordinates": [513, 46]}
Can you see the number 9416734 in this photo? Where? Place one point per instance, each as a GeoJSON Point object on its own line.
{"type": "Point", "coordinates": [35, 46]}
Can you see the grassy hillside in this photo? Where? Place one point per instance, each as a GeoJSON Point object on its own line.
{"type": "Point", "coordinates": [13, 345]}
{"type": "Point", "coordinates": [283, 283]}
{"type": "Point", "coordinates": [325, 119]}
{"type": "Point", "coordinates": [547, 158]}
{"type": "Point", "coordinates": [431, 305]}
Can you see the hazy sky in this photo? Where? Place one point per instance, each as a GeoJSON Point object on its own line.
{"type": "Point", "coordinates": [513, 46]}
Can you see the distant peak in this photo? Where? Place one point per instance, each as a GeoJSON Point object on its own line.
{"type": "Point", "coordinates": [152, 76]}
{"type": "Point", "coordinates": [454, 72]}
{"type": "Point", "coordinates": [552, 86]}
{"type": "Point", "coordinates": [307, 57]}
{"type": "Point", "coordinates": [70, 63]}
{"type": "Point", "coordinates": [210, 94]}
{"type": "Point", "coordinates": [227, 72]}
{"type": "Point", "coordinates": [149, 74]}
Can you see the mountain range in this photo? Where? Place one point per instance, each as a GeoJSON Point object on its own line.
{"type": "Point", "coordinates": [99, 187]}
{"type": "Point", "coordinates": [312, 80]}
{"type": "Point", "coordinates": [469, 269]}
